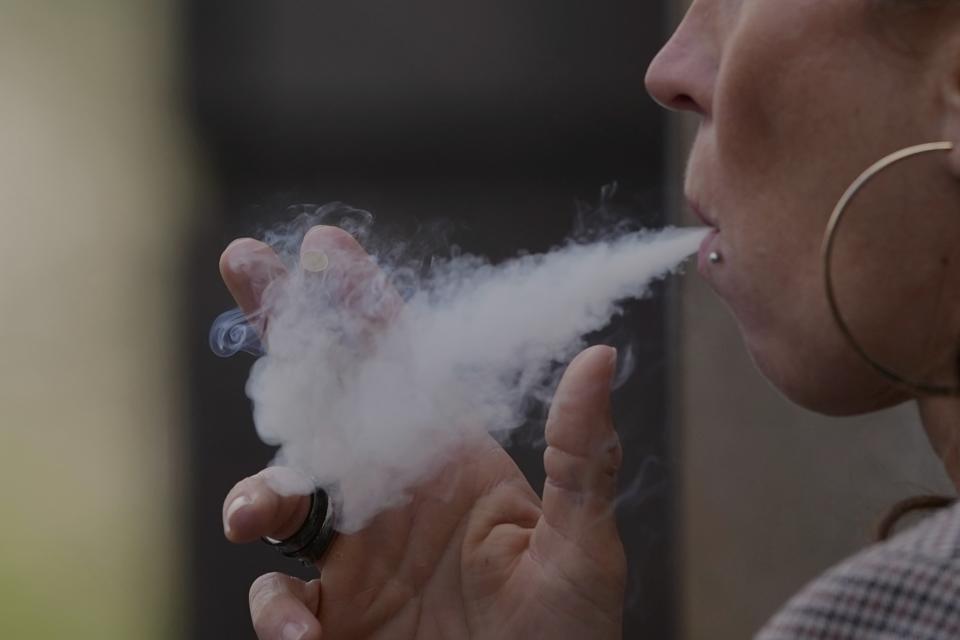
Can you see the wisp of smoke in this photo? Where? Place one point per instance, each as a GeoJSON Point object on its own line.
{"type": "Point", "coordinates": [371, 393]}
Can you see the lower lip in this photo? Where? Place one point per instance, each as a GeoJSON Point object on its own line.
{"type": "Point", "coordinates": [706, 248]}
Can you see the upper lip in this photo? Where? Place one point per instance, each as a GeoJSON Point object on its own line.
{"type": "Point", "coordinates": [701, 213]}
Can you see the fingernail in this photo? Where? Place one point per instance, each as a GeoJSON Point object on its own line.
{"type": "Point", "coordinates": [314, 261]}
{"type": "Point", "coordinates": [612, 355]}
{"type": "Point", "coordinates": [613, 367]}
{"type": "Point", "coordinates": [238, 503]}
{"type": "Point", "coordinates": [294, 631]}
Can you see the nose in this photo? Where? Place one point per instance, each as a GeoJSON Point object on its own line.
{"type": "Point", "coordinates": [681, 77]}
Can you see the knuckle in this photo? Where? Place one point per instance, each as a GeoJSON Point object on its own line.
{"type": "Point", "coordinates": [563, 470]}
{"type": "Point", "coordinates": [576, 473]}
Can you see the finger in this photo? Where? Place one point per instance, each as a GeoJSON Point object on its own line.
{"type": "Point", "coordinates": [285, 608]}
{"type": "Point", "coordinates": [358, 284]}
{"type": "Point", "coordinates": [253, 510]}
{"type": "Point", "coordinates": [248, 267]}
{"type": "Point", "coordinates": [583, 452]}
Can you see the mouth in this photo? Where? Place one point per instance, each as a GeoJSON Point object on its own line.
{"type": "Point", "coordinates": [702, 214]}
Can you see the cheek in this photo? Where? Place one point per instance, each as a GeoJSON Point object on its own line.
{"type": "Point", "coordinates": [774, 190]}
{"type": "Point", "coordinates": [896, 275]}
{"type": "Point", "coordinates": [896, 271]}
{"type": "Point", "coordinates": [771, 235]}
{"type": "Point", "coordinates": [793, 100]}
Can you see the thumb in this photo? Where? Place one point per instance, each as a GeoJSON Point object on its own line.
{"type": "Point", "coordinates": [285, 608]}
{"type": "Point", "coordinates": [583, 451]}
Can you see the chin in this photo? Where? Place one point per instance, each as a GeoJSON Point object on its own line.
{"type": "Point", "coordinates": [829, 382]}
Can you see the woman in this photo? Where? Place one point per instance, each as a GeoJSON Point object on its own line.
{"type": "Point", "coordinates": [795, 99]}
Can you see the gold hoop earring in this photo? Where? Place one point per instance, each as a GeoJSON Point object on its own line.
{"type": "Point", "coordinates": [827, 259]}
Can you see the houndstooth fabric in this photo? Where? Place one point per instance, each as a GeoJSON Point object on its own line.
{"type": "Point", "coordinates": [906, 588]}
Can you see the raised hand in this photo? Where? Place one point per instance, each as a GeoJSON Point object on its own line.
{"type": "Point", "coordinates": [475, 553]}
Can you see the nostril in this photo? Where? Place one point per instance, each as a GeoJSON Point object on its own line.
{"type": "Point", "coordinates": [678, 101]}
{"type": "Point", "coordinates": [670, 95]}
{"type": "Point", "coordinates": [672, 85]}
{"type": "Point", "coordinates": [683, 102]}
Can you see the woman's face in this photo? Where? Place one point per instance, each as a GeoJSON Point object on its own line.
{"type": "Point", "coordinates": [795, 99]}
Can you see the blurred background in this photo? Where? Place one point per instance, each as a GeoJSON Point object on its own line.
{"type": "Point", "coordinates": [137, 138]}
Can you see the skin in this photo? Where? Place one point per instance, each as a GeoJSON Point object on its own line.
{"type": "Point", "coordinates": [794, 98]}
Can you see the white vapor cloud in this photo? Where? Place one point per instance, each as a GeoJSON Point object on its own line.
{"type": "Point", "coordinates": [373, 408]}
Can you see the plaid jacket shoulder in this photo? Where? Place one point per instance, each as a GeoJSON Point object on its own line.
{"type": "Point", "coordinates": [908, 587]}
